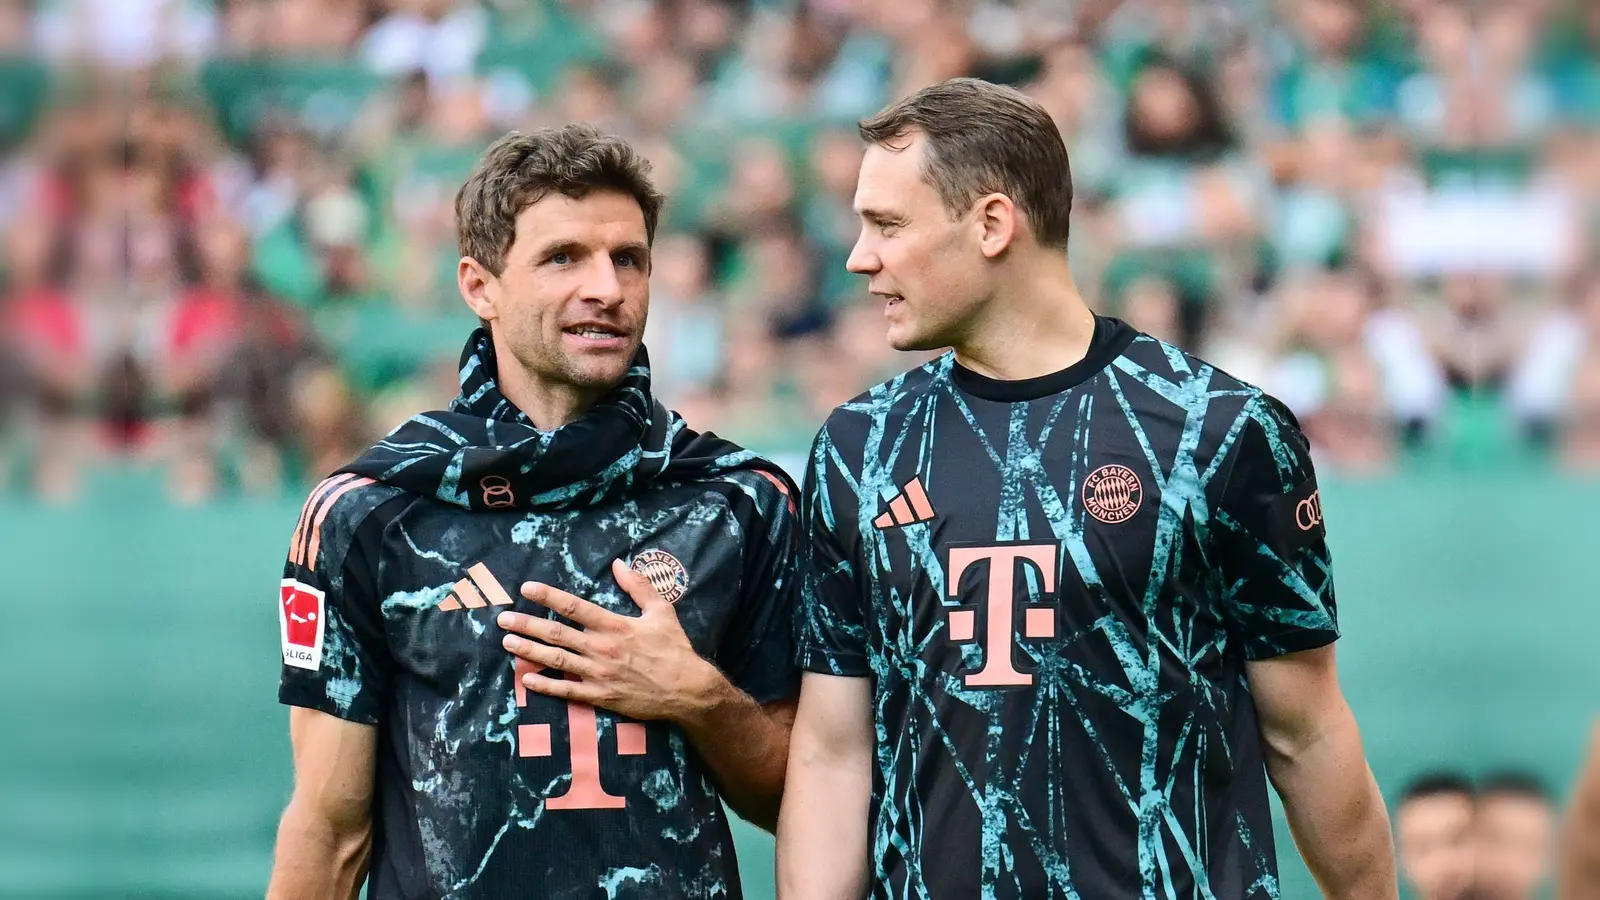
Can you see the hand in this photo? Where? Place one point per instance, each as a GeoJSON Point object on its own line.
{"type": "Point", "coordinates": [640, 666]}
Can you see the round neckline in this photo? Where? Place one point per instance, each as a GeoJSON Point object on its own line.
{"type": "Point", "coordinates": [1111, 337]}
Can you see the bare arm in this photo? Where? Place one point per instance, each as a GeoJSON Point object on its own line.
{"type": "Point", "coordinates": [822, 831]}
{"type": "Point", "coordinates": [749, 768]}
{"type": "Point", "coordinates": [324, 839]}
{"type": "Point", "coordinates": [1580, 852]}
{"type": "Point", "coordinates": [1314, 758]}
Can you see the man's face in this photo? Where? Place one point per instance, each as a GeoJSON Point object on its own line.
{"type": "Point", "coordinates": [926, 265]}
{"type": "Point", "coordinates": [570, 304]}
{"type": "Point", "coordinates": [1434, 834]}
{"type": "Point", "coordinates": [1515, 842]}
{"type": "Point", "coordinates": [224, 250]}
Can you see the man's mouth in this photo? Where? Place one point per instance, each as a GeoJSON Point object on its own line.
{"type": "Point", "coordinates": [596, 331]}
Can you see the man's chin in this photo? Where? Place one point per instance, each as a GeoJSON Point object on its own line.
{"type": "Point", "coordinates": [600, 371]}
{"type": "Point", "coordinates": [597, 377]}
{"type": "Point", "coordinates": [909, 341]}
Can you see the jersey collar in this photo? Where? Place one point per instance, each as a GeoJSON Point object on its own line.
{"type": "Point", "coordinates": [1111, 337]}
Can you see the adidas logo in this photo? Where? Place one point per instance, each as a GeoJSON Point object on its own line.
{"type": "Point", "coordinates": [475, 591]}
{"type": "Point", "coordinates": [908, 507]}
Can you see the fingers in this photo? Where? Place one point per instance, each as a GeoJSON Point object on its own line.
{"type": "Point", "coordinates": [565, 689]}
{"type": "Point", "coordinates": [549, 657]}
{"type": "Point", "coordinates": [575, 608]}
{"type": "Point", "coordinates": [547, 630]}
{"type": "Point", "coordinates": [638, 587]}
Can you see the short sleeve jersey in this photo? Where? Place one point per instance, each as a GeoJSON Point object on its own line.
{"type": "Point", "coordinates": [1055, 585]}
{"type": "Point", "coordinates": [485, 790]}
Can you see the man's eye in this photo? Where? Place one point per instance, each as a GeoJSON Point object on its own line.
{"type": "Point", "coordinates": [627, 259]}
{"type": "Point", "coordinates": [561, 259]}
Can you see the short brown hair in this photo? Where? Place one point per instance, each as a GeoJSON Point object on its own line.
{"type": "Point", "coordinates": [985, 138]}
{"type": "Point", "coordinates": [523, 168]}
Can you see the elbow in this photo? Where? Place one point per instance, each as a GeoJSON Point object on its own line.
{"type": "Point", "coordinates": [345, 823]}
{"type": "Point", "coordinates": [832, 749]}
{"type": "Point", "coordinates": [320, 852]}
{"type": "Point", "coordinates": [759, 803]}
{"type": "Point", "coordinates": [762, 813]}
{"type": "Point", "coordinates": [1283, 748]}
{"type": "Point", "coordinates": [818, 764]}
{"type": "Point", "coordinates": [1287, 740]}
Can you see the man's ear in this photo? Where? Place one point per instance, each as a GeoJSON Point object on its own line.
{"type": "Point", "coordinates": [479, 287]}
{"type": "Point", "coordinates": [997, 219]}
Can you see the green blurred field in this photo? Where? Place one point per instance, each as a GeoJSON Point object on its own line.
{"type": "Point", "coordinates": [146, 757]}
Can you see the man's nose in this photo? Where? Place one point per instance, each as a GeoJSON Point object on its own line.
{"type": "Point", "coordinates": [603, 286]}
{"type": "Point", "coordinates": [863, 259]}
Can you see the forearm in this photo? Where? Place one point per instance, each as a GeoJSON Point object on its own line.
{"type": "Point", "coordinates": [822, 834]}
{"type": "Point", "coordinates": [1336, 814]}
{"type": "Point", "coordinates": [746, 748]}
{"type": "Point", "coordinates": [318, 860]}
{"type": "Point", "coordinates": [1580, 855]}
{"type": "Point", "coordinates": [1580, 859]}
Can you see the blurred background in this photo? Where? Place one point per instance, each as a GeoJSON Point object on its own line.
{"type": "Point", "coordinates": [228, 265]}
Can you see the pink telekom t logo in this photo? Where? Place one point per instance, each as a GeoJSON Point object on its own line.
{"type": "Point", "coordinates": [583, 733]}
{"type": "Point", "coordinates": [999, 607]}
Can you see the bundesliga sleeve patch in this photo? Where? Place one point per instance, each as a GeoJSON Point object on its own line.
{"type": "Point", "coordinates": [301, 619]}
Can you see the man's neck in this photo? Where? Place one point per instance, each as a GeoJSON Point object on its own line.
{"type": "Point", "coordinates": [548, 405]}
{"type": "Point", "coordinates": [1036, 324]}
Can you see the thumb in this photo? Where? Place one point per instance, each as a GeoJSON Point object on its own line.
{"type": "Point", "coordinates": [638, 587]}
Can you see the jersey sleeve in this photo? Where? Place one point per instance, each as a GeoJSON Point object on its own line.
{"type": "Point", "coordinates": [1277, 575]}
{"type": "Point", "coordinates": [831, 633]}
{"type": "Point", "coordinates": [335, 653]}
{"type": "Point", "coordinates": [757, 654]}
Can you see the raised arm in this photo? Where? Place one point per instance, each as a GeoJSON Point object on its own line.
{"type": "Point", "coordinates": [822, 830]}
{"type": "Point", "coordinates": [325, 837]}
{"type": "Point", "coordinates": [1314, 758]}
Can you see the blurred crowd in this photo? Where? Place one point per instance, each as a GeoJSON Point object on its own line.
{"type": "Point", "coordinates": [1493, 840]}
{"type": "Point", "coordinates": [229, 249]}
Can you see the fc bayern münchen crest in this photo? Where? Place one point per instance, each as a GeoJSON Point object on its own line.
{"type": "Point", "coordinates": [664, 572]}
{"type": "Point", "coordinates": [1112, 494]}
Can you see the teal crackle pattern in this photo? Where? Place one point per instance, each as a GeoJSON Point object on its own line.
{"type": "Point", "coordinates": [439, 686]}
{"type": "Point", "coordinates": [1110, 775]}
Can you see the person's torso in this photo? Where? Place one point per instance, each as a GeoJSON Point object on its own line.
{"type": "Point", "coordinates": [1063, 713]}
{"type": "Point", "coordinates": [490, 790]}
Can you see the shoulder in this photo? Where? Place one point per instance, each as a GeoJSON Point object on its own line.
{"type": "Point", "coordinates": [1261, 440]}
{"type": "Point", "coordinates": [336, 510]}
{"type": "Point", "coordinates": [1191, 381]}
{"type": "Point", "coordinates": [1237, 419]}
{"type": "Point", "coordinates": [1153, 360]}
{"type": "Point", "coordinates": [850, 422]}
{"type": "Point", "coordinates": [766, 489]}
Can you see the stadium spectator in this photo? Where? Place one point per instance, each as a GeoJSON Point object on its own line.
{"type": "Point", "coordinates": [1434, 836]}
{"type": "Point", "coordinates": [686, 315]}
{"type": "Point", "coordinates": [1514, 833]}
{"type": "Point", "coordinates": [46, 342]}
{"type": "Point", "coordinates": [1182, 199]}
{"type": "Point", "coordinates": [439, 37]}
{"type": "Point", "coordinates": [1234, 165]}
{"type": "Point", "coordinates": [1554, 387]}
